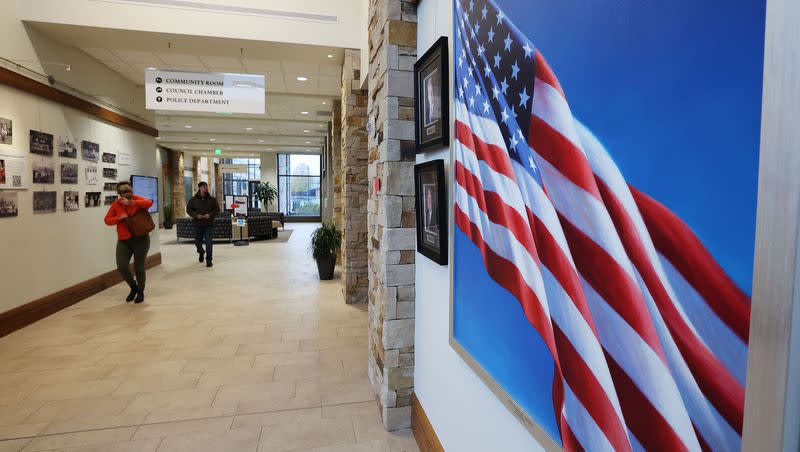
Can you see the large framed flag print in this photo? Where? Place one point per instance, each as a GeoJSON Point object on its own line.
{"type": "Point", "coordinates": [604, 187]}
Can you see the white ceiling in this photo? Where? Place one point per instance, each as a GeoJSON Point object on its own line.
{"type": "Point", "coordinates": [292, 106]}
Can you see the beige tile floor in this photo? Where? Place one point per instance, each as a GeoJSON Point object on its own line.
{"type": "Point", "coordinates": [255, 354]}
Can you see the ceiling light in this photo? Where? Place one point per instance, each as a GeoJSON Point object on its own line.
{"type": "Point", "coordinates": [158, 138]}
{"type": "Point", "coordinates": [308, 142]}
{"type": "Point", "coordinates": [213, 139]}
{"type": "Point", "coordinates": [184, 146]}
{"type": "Point", "coordinates": [269, 149]}
{"type": "Point", "coordinates": [228, 147]}
{"type": "Point", "coordinates": [248, 128]}
{"type": "Point", "coordinates": [303, 112]}
{"type": "Point", "coordinates": [302, 78]}
{"type": "Point", "coordinates": [324, 103]}
{"type": "Point", "coordinates": [307, 131]}
{"type": "Point", "coordinates": [330, 56]}
{"type": "Point", "coordinates": [260, 141]}
{"type": "Point", "coordinates": [152, 68]}
{"type": "Point", "coordinates": [188, 126]}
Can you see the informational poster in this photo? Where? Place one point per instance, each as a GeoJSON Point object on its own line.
{"type": "Point", "coordinates": [123, 157]}
{"type": "Point", "coordinates": [204, 91]}
{"type": "Point", "coordinates": [146, 187]}
{"type": "Point", "coordinates": [13, 172]}
{"type": "Point", "coordinates": [238, 204]}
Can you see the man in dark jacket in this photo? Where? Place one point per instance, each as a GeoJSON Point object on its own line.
{"type": "Point", "coordinates": [203, 208]}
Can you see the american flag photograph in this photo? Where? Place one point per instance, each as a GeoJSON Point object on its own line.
{"type": "Point", "coordinates": [605, 163]}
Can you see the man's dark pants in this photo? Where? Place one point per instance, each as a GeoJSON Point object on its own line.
{"type": "Point", "coordinates": [204, 234]}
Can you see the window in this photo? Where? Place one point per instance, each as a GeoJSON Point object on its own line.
{"type": "Point", "coordinates": [299, 184]}
{"type": "Point", "coordinates": [240, 183]}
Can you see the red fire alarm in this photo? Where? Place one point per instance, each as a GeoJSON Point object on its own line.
{"type": "Point", "coordinates": [377, 184]}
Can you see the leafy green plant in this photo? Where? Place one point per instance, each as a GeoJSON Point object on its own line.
{"type": "Point", "coordinates": [325, 240]}
{"type": "Point", "coordinates": [266, 193]}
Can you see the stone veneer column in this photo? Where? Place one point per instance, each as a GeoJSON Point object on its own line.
{"type": "Point", "coordinates": [177, 188]}
{"type": "Point", "coordinates": [197, 171]}
{"type": "Point", "coordinates": [391, 223]}
{"type": "Point", "coordinates": [336, 163]}
{"type": "Point", "coordinates": [218, 186]}
{"type": "Point", "coordinates": [354, 182]}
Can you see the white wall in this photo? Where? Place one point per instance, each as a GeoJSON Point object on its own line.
{"type": "Point", "coordinates": [465, 414]}
{"type": "Point", "coordinates": [44, 253]}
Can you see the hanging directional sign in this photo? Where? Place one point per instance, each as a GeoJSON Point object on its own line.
{"type": "Point", "coordinates": [204, 91]}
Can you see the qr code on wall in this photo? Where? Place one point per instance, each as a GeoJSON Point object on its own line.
{"type": "Point", "coordinates": [16, 181]}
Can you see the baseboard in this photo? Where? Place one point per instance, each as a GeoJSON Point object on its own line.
{"type": "Point", "coordinates": [427, 441]}
{"type": "Point", "coordinates": [35, 310]}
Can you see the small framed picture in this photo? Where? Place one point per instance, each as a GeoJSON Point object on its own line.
{"type": "Point", "coordinates": [431, 94]}
{"type": "Point", "coordinates": [431, 210]}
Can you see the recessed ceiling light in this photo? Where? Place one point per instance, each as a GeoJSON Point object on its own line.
{"type": "Point", "coordinates": [302, 78]}
{"type": "Point", "coordinates": [248, 128]}
{"type": "Point", "coordinates": [213, 139]}
{"type": "Point", "coordinates": [307, 131]}
{"type": "Point", "coordinates": [324, 103]}
{"type": "Point", "coordinates": [303, 112]}
{"type": "Point", "coordinates": [260, 141]}
{"type": "Point", "coordinates": [188, 126]}
{"type": "Point", "coordinates": [269, 149]}
{"type": "Point", "coordinates": [330, 56]}
{"type": "Point", "coordinates": [152, 68]}
{"type": "Point", "coordinates": [308, 142]}
{"type": "Point", "coordinates": [158, 138]}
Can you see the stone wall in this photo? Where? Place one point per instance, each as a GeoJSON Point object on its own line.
{"type": "Point", "coordinates": [177, 189]}
{"type": "Point", "coordinates": [197, 171]}
{"type": "Point", "coordinates": [336, 163]}
{"type": "Point", "coordinates": [391, 223]}
{"type": "Point", "coordinates": [218, 186]}
{"type": "Point", "coordinates": [354, 182]}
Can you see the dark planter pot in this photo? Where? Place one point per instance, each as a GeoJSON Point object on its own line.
{"type": "Point", "coordinates": [325, 265]}
{"type": "Point", "coordinates": [167, 225]}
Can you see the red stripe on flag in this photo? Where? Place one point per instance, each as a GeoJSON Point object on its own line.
{"type": "Point", "coordinates": [716, 382]}
{"type": "Point", "coordinates": [647, 425]}
{"type": "Point", "coordinates": [588, 390]}
{"type": "Point", "coordinates": [508, 276]}
{"type": "Point", "coordinates": [612, 283]}
{"type": "Point", "coordinates": [545, 74]}
{"type": "Point", "coordinates": [494, 156]}
{"type": "Point", "coordinates": [676, 241]}
{"type": "Point", "coordinates": [562, 154]}
{"type": "Point", "coordinates": [496, 209]}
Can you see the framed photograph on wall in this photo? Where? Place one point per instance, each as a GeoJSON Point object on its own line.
{"type": "Point", "coordinates": [431, 94]}
{"type": "Point", "coordinates": [431, 206]}
{"type": "Point", "coordinates": [6, 130]}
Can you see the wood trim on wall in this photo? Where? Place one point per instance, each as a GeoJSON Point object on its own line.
{"type": "Point", "coordinates": [24, 315]}
{"type": "Point", "coordinates": [20, 82]}
{"type": "Point", "coordinates": [427, 441]}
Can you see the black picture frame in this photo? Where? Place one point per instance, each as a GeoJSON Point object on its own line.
{"type": "Point", "coordinates": [432, 227]}
{"type": "Point", "coordinates": [430, 69]}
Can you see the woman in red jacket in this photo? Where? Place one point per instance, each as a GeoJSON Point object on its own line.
{"type": "Point", "coordinates": [123, 208]}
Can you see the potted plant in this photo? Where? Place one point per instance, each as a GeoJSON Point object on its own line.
{"type": "Point", "coordinates": [167, 217]}
{"type": "Point", "coordinates": [325, 243]}
{"type": "Point", "coordinates": [266, 193]}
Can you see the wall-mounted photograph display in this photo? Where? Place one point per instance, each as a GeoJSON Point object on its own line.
{"type": "Point", "coordinates": [8, 204]}
{"type": "Point", "coordinates": [123, 157]}
{"type": "Point", "coordinates": [13, 171]}
{"type": "Point", "coordinates": [431, 210]}
{"type": "Point", "coordinates": [601, 291]}
{"type": "Point", "coordinates": [67, 148]}
{"type": "Point", "coordinates": [109, 157]}
{"type": "Point", "coordinates": [431, 98]}
{"type": "Point", "coordinates": [44, 172]}
{"type": "Point", "coordinates": [44, 202]}
{"type": "Point", "coordinates": [41, 143]}
{"type": "Point", "coordinates": [92, 199]}
{"type": "Point", "coordinates": [110, 199]}
{"type": "Point", "coordinates": [69, 173]}
{"type": "Point", "coordinates": [90, 151]}
{"type": "Point", "coordinates": [5, 131]}
{"type": "Point", "coordinates": [110, 186]}
{"type": "Point", "coordinates": [91, 175]}
{"type": "Point", "coordinates": [71, 201]}
{"type": "Point", "coordinates": [110, 173]}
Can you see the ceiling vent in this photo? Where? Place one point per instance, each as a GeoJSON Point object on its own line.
{"type": "Point", "coordinates": [229, 9]}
